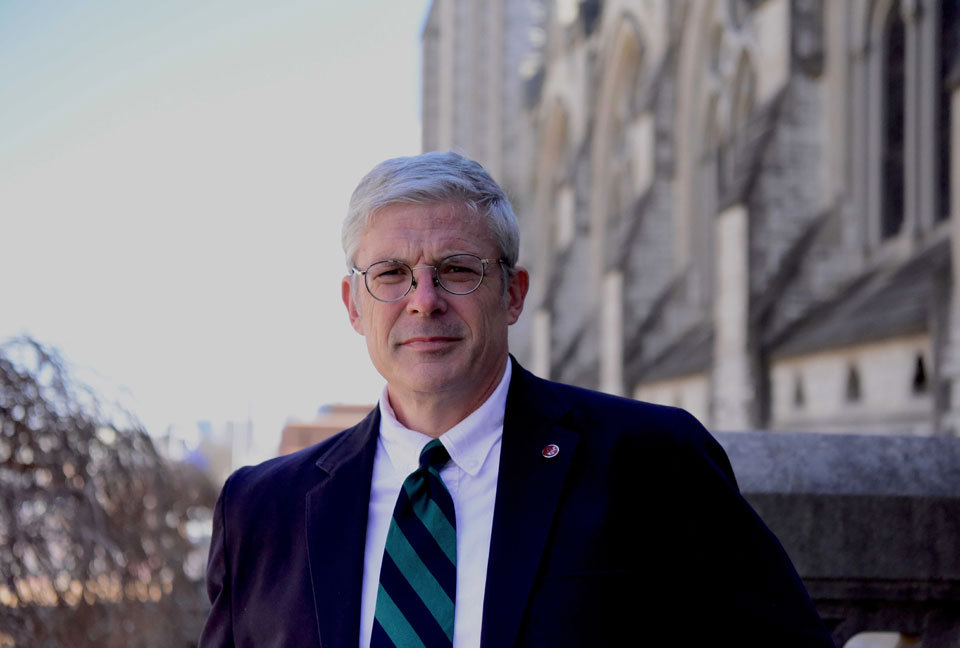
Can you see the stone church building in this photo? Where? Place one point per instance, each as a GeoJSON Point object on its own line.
{"type": "Point", "coordinates": [743, 208]}
{"type": "Point", "coordinates": [747, 208]}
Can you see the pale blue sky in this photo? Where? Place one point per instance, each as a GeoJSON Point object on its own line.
{"type": "Point", "coordinates": [172, 180]}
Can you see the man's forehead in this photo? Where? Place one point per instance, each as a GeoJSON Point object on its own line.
{"type": "Point", "coordinates": [413, 225]}
{"type": "Point", "coordinates": [451, 211]}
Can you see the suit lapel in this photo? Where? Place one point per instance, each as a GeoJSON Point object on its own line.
{"type": "Point", "coordinates": [528, 490]}
{"type": "Point", "coordinates": [336, 531]}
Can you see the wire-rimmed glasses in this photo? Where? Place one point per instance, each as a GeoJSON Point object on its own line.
{"type": "Point", "coordinates": [458, 274]}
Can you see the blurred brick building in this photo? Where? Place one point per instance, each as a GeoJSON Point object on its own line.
{"type": "Point", "coordinates": [330, 420]}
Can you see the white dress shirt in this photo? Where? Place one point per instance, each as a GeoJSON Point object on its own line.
{"type": "Point", "coordinates": [471, 478]}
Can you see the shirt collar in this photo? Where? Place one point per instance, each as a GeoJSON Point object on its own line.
{"type": "Point", "coordinates": [469, 442]}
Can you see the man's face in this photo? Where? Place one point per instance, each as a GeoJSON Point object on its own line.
{"type": "Point", "coordinates": [430, 341]}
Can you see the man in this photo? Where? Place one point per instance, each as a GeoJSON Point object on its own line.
{"type": "Point", "coordinates": [545, 515]}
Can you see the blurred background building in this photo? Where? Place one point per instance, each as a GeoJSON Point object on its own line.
{"type": "Point", "coordinates": [748, 209]}
{"type": "Point", "coordinates": [330, 420]}
{"type": "Point", "coordinates": [217, 449]}
{"type": "Point", "coordinates": [738, 207]}
{"type": "Point", "coordinates": [476, 57]}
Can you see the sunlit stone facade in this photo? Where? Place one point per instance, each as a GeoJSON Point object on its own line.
{"type": "Point", "coordinates": [743, 208]}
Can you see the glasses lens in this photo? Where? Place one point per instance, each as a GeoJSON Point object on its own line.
{"type": "Point", "coordinates": [460, 273]}
{"type": "Point", "coordinates": [388, 280]}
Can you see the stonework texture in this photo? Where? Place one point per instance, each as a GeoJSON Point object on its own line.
{"type": "Point", "coordinates": [648, 120]}
{"type": "Point", "coordinates": [707, 194]}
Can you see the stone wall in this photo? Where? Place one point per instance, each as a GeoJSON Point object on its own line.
{"type": "Point", "coordinates": [872, 524]}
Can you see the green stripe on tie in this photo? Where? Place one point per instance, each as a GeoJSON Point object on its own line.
{"type": "Point", "coordinates": [433, 518]}
{"type": "Point", "coordinates": [422, 581]}
{"type": "Point", "coordinates": [394, 623]}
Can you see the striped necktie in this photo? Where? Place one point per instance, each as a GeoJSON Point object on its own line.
{"type": "Point", "coordinates": [418, 577]}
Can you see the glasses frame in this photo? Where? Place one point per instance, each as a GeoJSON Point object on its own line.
{"type": "Point", "coordinates": [436, 275]}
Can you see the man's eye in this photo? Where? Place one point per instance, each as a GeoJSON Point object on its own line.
{"type": "Point", "coordinates": [455, 269]}
{"type": "Point", "coordinates": [455, 272]}
{"type": "Point", "coordinates": [389, 274]}
{"type": "Point", "coordinates": [464, 276]}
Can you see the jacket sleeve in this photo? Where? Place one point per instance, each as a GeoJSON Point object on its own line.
{"type": "Point", "coordinates": [749, 584]}
{"type": "Point", "coordinates": [218, 629]}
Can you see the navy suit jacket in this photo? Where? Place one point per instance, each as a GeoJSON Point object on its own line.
{"type": "Point", "coordinates": [633, 534]}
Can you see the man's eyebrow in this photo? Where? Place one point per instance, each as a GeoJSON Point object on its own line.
{"type": "Point", "coordinates": [431, 260]}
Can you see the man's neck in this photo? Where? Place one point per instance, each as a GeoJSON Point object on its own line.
{"type": "Point", "coordinates": [434, 413]}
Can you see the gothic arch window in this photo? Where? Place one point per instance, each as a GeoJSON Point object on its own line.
{"type": "Point", "coordinates": [893, 107]}
{"type": "Point", "coordinates": [949, 49]}
{"type": "Point", "coordinates": [553, 211]}
{"type": "Point", "coordinates": [619, 185]}
{"type": "Point", "coordinates": [552, 173]}
{"type": "Point", "coordinates": [610, 147]}
{"type": "Point", "coordinates": [740, 97]}
{"type": "Point", "coordinates": [706, 61]}
{"type": "Point", "coordinates": [904, 55]}
{"type": "Point", "coordinates": [554, 224]}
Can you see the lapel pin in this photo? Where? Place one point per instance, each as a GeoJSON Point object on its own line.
{"type": "Point", "coordinates": [550, 451]}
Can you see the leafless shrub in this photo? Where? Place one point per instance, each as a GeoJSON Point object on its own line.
{"type": "Point", "coordinates": [94, 547]}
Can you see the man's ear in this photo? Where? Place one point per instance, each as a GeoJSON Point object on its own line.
{"type": "Point", "coordinates": [350, 301]}
{"type": "Point", "coordinates": [516, 293]}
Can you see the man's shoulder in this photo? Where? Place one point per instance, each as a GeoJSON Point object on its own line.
{"type": "Point", "coordinates": [607, 419]}
{"type": "Point", "coordinates": [602, 401]}
{"type": "Point", "coordinates": [609, 426]}
{"type": "Point", "coordinates": [591, 407]}
{"type": "Point", "coordinates": [291, 470]}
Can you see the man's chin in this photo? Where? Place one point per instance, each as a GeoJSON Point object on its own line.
{"type": "Point", "coordinates": [428, 376]}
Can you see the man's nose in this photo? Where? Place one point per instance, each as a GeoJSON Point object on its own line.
{"type": "Point", "coordinates": [426, 297]}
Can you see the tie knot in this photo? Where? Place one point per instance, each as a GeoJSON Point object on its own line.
{"type": "Point", "coordinates": [434, 454]}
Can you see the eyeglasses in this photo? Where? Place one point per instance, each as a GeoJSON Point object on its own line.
{"type": "Point", "coordinates": [459, 274]}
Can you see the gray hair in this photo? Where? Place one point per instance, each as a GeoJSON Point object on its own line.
{"type": "Point", "coordinates": [429, 179]}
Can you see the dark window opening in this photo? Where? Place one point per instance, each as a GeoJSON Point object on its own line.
{"type": "Point", "coordinates": [853, 385]}
{"type": "Point", "coordinates": [920, 377]}
{"type": "Point", "coordinates": [949, 41]}
{"type": "Point", "coordinates": [893, 106]}
{"type": "Point", "coordinates": [799, 394]}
